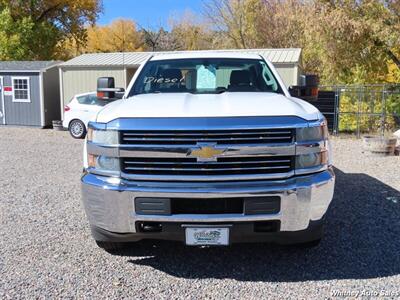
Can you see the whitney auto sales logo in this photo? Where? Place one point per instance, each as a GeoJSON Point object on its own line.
{"type": "Point", "coordinates": [365, 293]}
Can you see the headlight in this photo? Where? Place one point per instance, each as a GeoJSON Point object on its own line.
{"type": "Point", "coordinates": [311, 160]}
{"type": "Point", "coordinates": [107, 137]}
{"type": "Point", "coordinates": [103, 163]}
{"type": "Point", "coordinates": [315, 133]}
{"type": "Point", "coordinates": [312, 148]}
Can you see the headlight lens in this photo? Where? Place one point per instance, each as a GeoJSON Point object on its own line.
{"type": "Point", "coordinates": [103, 163]}
{"type": "Point", "coordinates": [311, 160]}
{"type": "Point", "coordinates": [107, 137]}
{"type": "Point", "coordinates": [315, 133]}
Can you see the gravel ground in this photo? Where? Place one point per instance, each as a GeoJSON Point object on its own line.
{"type": "Point", "coordinates": [46, 250]}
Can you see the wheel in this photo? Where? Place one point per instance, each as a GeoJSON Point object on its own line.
{"type": "Point", "coordinates": [112, 247]}
{"type": "Point", "coordinates": [77, 129]}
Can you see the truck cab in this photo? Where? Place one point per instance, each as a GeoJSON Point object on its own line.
{"type": "Point", "coordinates": [208, 149]}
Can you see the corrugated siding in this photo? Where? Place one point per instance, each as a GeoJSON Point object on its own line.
{"type": "Point", "coordinates": [83, 80]}
{"type": "Point", "coordinates": [289, 55]}
{"type": "Point", "coordinates": [108, 59]}
{"type": "Point", "coordinates": [32, 66]}
{"type": "Point", "coordinates": [23, 113]}
{"type": "Point", "coordinates": [288, 73]}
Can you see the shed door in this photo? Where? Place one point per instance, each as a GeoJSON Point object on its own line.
{"type": "Point", "coordinates": [22, 104]}
{"type": "Point", "coordinates": [2, 113]}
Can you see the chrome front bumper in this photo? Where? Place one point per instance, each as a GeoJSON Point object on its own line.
{"type": "Point", "coordinates": [109, 202]}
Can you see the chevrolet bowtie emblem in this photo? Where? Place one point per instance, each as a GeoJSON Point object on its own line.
{"type": "Point", "coordinates": [206, 152]}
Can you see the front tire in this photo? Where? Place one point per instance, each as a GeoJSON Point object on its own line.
{"type": "Point", "coordinates": [77, 129]}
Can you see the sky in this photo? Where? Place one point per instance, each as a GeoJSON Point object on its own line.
{"type": "Point", "coordinates": [147, 13]}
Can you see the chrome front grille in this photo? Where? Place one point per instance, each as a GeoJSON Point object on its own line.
{"type": "Point", "coordinates": [219, 137]}
{"type": "Point", "coordinates": [202, 149]}
{"type": "Point", "coordinates": [172, 155]}
{"type": "Point", "coordinates": [186, 166]}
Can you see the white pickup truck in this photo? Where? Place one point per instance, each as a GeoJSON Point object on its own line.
{"type": "Point", "coordinates": [209, 149]}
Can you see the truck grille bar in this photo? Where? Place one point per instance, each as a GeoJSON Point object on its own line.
{"type": "Point", "coordinates": [168, 154]}
{"type": "Point", "coordinates": [220, 137]}
{"type": "Point", "coordinates": [223, 166]}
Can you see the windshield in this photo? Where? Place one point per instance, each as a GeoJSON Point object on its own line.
{"type": "Point", "coordinates": [205, 76]}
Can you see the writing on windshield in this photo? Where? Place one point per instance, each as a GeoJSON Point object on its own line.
{"type": "Point", "coordinates": [212, 75]}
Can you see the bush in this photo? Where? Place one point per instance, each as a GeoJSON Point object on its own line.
{"type": "Point", "coordinates": [364, 108]}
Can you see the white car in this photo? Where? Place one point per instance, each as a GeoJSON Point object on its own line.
{"type": "Point", "coordinates": [79, 111]}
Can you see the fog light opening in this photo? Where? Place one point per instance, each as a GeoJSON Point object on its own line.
{"type": "Point", "coordinates": [149, 227]}
{"type": "Point", "coordinates": [266, 226]}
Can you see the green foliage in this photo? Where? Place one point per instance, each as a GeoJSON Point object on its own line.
{"type": "Point", "coordinates": [350, 120]}
{"type": "Point", "coordinates": [22, 39]}
{"type": "Point", "coordinates": [370, 110]}
{"type": "Point", "coordinates": [357, 39]}
{"type": "Point", "coordinates": [11, 35]}
{"type": "Point", "coordinates": [345, 42]}
{"type": "Point", "coordinates": [393, 104]}
{"type": "Point", "coordinates": [37, 29]}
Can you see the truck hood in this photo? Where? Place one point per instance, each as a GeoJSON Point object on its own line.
{"type": "Point", "coordinates": [187, 105]}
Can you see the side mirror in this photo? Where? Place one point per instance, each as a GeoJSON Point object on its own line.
{"type": "Point", "coordinates": [120, 94]}
{"type": "Point", "coordinates": [106, 89]}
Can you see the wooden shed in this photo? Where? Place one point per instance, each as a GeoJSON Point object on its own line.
{"type": "Point", "coordinates": [29, 93]}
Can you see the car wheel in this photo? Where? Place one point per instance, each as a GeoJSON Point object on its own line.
{"type": "Point", "coordinates": [77, 129]}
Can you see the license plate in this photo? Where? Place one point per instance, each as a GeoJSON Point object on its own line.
{"type": "Point", "coordinates": [197, 236]}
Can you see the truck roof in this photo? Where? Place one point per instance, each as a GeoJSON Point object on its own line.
{"type": "Point", "coordinates": [205, 54]}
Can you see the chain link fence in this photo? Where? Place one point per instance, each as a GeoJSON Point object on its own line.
{"type": "Point", "coordinates": [361, 109]}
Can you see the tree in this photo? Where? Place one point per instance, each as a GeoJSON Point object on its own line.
{"type": "Point", "coordinates": [41, 26]}
{"type": "Point", "coordinates": [344, 41]}
{"type": "Point", "coordinates": [21, 39]}
{"type": "Point", "coordinates": [236, 19]}
{"type": "Point", "coordinates": [190, 32]}
{"type": "Point", "coordinates": [121, 35]}
{"type": "Point", "coordinates": [10, 37]}
{"type": "Point", "coordinates": [160, 40]}
{"type": "Point", "coordinates": [282, 24]}
{"type": "Point", "coordinates": [358, 39]}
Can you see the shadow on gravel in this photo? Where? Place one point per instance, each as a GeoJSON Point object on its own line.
{"type": "Point", "coordinates": [361, 241]}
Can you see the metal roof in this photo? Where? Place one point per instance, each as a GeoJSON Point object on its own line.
{"type": "Point", "coordinates": [289, 55]}
{"type": "Point", "coordinates": [206, 55]}
{"type": "Point", "coordinates": [33, 66]}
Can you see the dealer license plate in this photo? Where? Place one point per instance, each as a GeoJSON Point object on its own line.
{"type": "Point", "coordinates": [197, 236]}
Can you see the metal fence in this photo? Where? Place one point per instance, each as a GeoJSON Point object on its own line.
{"type": "Point", "coordinates": [361, 109]}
